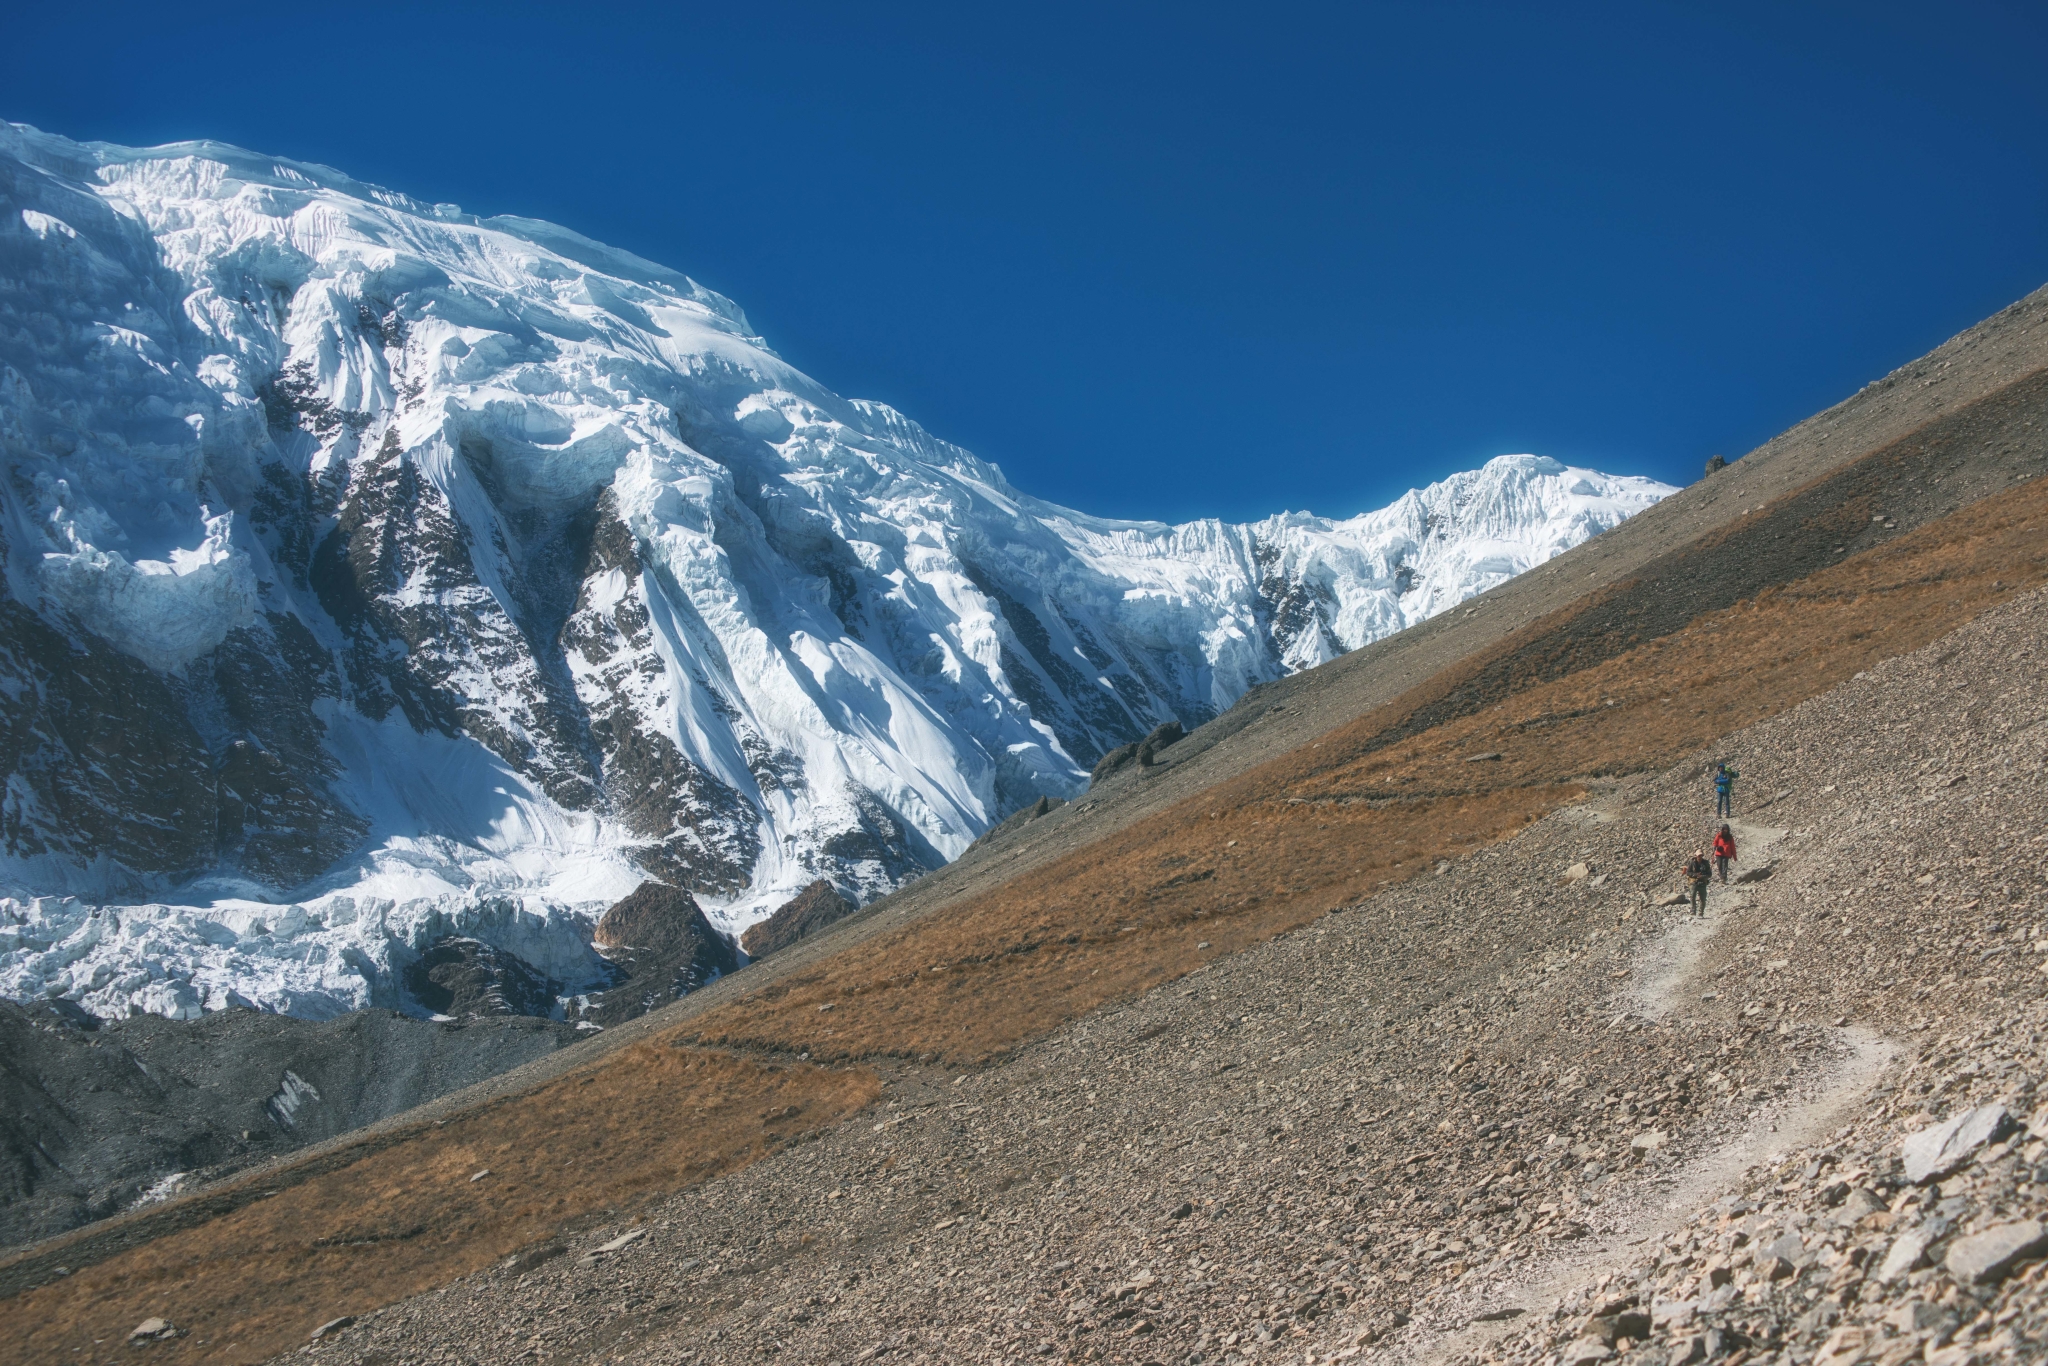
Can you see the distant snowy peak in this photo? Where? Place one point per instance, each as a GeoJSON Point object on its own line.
{"type": "Point", "coordinates": [425, 574]}
{"type": "Point", "coordinates": [1327, 587]}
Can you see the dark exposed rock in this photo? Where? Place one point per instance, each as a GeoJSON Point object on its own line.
{"type": "Point", "coordinates": [1085, 716]}
{"type": "Point", "coordinates": [1159, 738]}
{"type": "Point", "coordinates": [102, 765]}
{"type": "Point", "coordinates": [1122, 757]}
{"type": "Point", "coordinates": [278, 822]}
{"type": "Point", "coordinates": [701, 834]}
{"type": "Point", "coordinates": [425, 635]}
{"type": "Point", "coordinates": [661, 946]}
{"type": "Point", "coordinates": [467, 978]}
{"type": "Point", "coordinates": [92, 1114]}
{"type": "Point", "coordinates": [814, 908]}
{"type": "Point", "coordinates": [1294, 609]}
{"type": "Point", "coordinates": [881, 850]}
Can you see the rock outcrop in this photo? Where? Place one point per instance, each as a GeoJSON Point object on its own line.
{"type": "Point", "coordinates": [816, 907]}
{"type": "Point", "coordinates": [95, 1118]}
{"type": "Point", "coordinates": [661, 946]}
{"type": "Point", "coordinates": [464, 978]}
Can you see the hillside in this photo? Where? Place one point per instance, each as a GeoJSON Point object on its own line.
{"type": "Point", "coordinates": [1353, 1024]}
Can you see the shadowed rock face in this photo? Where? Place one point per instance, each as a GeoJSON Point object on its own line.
{"type": "Point", "coordinates": [662, 947]}
{"type": "Point", "coordinates": [691, 830]}
{"type": "Point", "coordinates": [817, 906]}
{"type": "Point", "coordinates": [466, 978]}
{"type": "Point", "coordinates": [92, 1116]}
{"type": "Point", "coordinates": [1144, 753]}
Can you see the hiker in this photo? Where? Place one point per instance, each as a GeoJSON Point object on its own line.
{"type": "Point", "coordinates": [1724, 851]}
{"type": "Point", "coordinates": [1699, 872]}
{"type": "Point", "coordinates": [1724, 784]}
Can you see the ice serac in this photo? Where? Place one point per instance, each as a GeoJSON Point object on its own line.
{"type": "Point", "coordinates": [388, 586]}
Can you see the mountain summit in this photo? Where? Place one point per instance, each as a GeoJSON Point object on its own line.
{"type": "Point", "coordinates": [378, 572]}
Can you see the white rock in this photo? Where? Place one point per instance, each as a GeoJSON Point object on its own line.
{"type": "Point", "coordinates": [1936, 1151]}
{"type": "Point", "coordinates": [1907, 1251]}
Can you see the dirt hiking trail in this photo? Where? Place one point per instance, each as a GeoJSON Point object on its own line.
{"type": "Point", "coordinates": [1664, 968]}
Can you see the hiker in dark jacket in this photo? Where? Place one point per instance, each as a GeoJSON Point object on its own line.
{"type": "Point", "coordinates": [1724, 786]}
{"type": "Point", "coordinates": [1699, 872]}
{"type": "Point", "coordinates": [1724, 850]}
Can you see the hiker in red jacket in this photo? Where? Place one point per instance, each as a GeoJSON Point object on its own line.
{"type": "Point", "coordinates": [1724, 850]}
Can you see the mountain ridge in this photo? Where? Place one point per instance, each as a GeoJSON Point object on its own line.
{"type": "Point", "coordinates": [384, 572]}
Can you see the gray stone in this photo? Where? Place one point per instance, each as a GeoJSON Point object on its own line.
{"type": "Point", "coordinates": [1788, 1247]}
{"type": "Point", "coordinates": [1907, 1253]}
{"type": "Point", "coordinates": [1992, 1254]}
{"type": "Point", "coordinates": [1857, 1205]}
{"type": "Point", "coordinates": [1935, 1152]}
{"type": "Point", "coordinates": [152, 1330]}
{"type": "Point", "coordinates": [1585, 1351]}
{"type": "Point", "coordinates": [333, 1326]}
{"type": "Point", "coordinates": [1914, 1316]}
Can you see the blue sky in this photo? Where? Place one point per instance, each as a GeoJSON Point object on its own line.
{"type": "Point", "coordinates": [1183, 260]}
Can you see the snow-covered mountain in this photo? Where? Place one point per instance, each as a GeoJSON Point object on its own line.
{"type": "Point", "coordinates": [377, 572]}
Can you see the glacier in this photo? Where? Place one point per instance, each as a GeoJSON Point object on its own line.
{"type": "Point", "coordinates": [377, 572]}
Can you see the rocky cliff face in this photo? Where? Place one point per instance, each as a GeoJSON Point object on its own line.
{"type": "Point", "coordinates": [402, 567]}
{"type": "Point", "coordinates": [816, 907]}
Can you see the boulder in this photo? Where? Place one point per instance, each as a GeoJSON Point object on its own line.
{"type": "Point", "coordinates": [660, 947]}
{"type": "Point", "coordinates": [467, 979]}
{"type": "Point", "coordinates": [1122, 757]}
{"type": "Point", "coordinates": [1991, 1255]}
{"type": "Point", "coordinates": [1935, 1152]}
{"type": "Point", "coordinates": [1908, 1252]}
{"type": "Point", "coordinates": [1158, 739]}
{"type": "Point", "coordinates": [814, 908]}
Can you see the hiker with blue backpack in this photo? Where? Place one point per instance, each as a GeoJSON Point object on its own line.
{"type": "Point", "coordinates": [1724, 786]}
